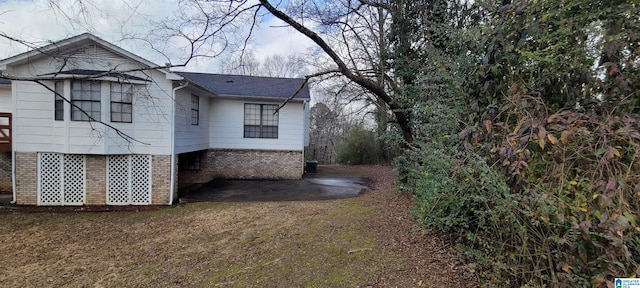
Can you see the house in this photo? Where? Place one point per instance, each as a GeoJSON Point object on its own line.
{"type": "Point", "coordinates": [88, 123]}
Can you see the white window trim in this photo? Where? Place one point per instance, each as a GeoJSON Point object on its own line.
{"type": "Point", "coordinates": [197, 111]}
{"type": "Point", "coordinates": [244, 124]}
{"type": "Point", "coordinates": [111, 102]}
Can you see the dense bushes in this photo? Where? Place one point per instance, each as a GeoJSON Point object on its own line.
{"type": "Point", "coordinates": [555, 202]}
{"type": "Point", "coordinates": [362, 146]}
{"type": "Point", "coordinates": [579, 176]}
{"type": "Point", "coordinates": [532, 159]}
{"type": "Point", "coordinates": [574, 180]}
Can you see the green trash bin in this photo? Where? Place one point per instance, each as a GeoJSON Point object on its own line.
{"type": "Point", "coordinates": [312, 166]}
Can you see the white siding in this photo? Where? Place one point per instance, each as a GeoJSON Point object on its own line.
{"type": "Point", "coordinates": [150, 124]}
{"type": "Point", "coordinates": [226, 120]}
{"type": "Point", "coordinates": [191, 137]}
{"type": "Point", "coordinates": [307, 123]}
{"type": "Point", "coordinates": [6, 103]}
{"type": "Point", "coordinates": [36, 130]}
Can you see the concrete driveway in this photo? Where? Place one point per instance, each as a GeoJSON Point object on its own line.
{"type": "Point", "coordinates": [306, 189]}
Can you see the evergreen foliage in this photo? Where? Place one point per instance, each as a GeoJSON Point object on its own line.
{"type": "Point", "coordinates": [526, 138]}
{"type": "Point", "coordinates": [361, 147]}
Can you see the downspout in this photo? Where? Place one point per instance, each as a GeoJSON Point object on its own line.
{"type": "Point", "coordinates": [13, 172]}
{"type": "Point", "coordinates": [305, 132]}
{"type": "Point", "coordinates": [13, 150]}
{"type": "Point", "coordinates": [173, 137]}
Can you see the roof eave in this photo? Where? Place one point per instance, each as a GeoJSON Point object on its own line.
{"type": "Point", "coordinates": [269, 98]}
{"type": "Point", "coordinates": [48, 48]}
{"type": "Point", "coordinates": [200, 89]}
{"type": "Point", "coordinates": [171, 75]}
{"type": "Point", "coordinates": [69, 42]}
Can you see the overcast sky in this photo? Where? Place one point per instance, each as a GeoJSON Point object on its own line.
{"type": "Point", "coordinates": [37, 21]}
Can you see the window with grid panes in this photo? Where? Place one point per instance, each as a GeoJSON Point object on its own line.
{"type": "Point", "coordinates": [58, 113]}
{"type": "Point", "coordinates": [191, 161]}
{"type": "Point", "coordinates": [195, 110]}
{"type": "Point", "coordinates": [85, 96]}
{"type": "Point", "coordinates": [121, 102]}
{"type": "Point", "coordinates": [260, 121]}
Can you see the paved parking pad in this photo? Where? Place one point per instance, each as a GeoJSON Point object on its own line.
{"type": "Point", "coordinates": [306, 189]}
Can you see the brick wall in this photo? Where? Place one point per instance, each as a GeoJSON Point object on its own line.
{"type": "Point", "coordinates": [5, 173]}
{"type": "Point", "coordinates": [96, 179]}
{"type": "Point", "coordinates": [161, 179]}
{"type": "Point", "coordinates": [245, 164]}
{"type": "Point", "coordinates": [26, 178]}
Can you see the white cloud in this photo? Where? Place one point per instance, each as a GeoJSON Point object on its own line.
{"type": "Point", "coordinates": [273, 37]}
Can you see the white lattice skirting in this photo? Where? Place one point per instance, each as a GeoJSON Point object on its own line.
{"type": "Point", "coordinates": [62, 179]}
{"type": "Point", "coordinates": [129, 179]}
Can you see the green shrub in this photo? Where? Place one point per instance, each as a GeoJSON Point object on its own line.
{"type": "Point", "coordinates": [573, 195]}
{"type": "Point", "coordinates": [457, 192]}
{"type": "Point", "coordinates": [578, 174]}
{"type": "Point", "coordinates": [540, 199]}
{"type": "Point", "coordinates": [361, 147]}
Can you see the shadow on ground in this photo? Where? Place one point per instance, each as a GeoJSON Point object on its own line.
{"type": "Point", "coordinates": [306, 189]}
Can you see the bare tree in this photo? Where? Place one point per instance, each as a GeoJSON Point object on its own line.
{"type": "Point", "coordinates": [327, 129]}
{"type": "Point", "coordinates": [275, 65]}
{"type": "Point", "coordinates": [243, 64]}
{"type": "Point", "coordinates": [348, 65]}
{"type": "Point", "coordinates": [349, 33]}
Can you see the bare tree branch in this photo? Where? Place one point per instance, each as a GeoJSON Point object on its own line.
{"type": "Point", "coordinates": [306, 80]}
{"type": "Point", "coordinates": [401, 114]}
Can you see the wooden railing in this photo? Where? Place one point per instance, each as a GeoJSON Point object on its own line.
{"type": "Point", "coordinates": [5, 132]}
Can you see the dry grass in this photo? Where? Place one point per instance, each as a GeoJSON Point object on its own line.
{"type": "Point", "coordinates": [357, 242]}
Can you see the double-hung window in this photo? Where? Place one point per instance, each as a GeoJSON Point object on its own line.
{"type": "Point", "coordinates": [121, 102]}
{"type": "Point", "coordinates": [58, 113]}
{"type": "Point", "coordinates": [260, 121]}
{"type": "Point", "coordinates": [85, 100]}
{"type": "Point", "coordinates": [195, 110]}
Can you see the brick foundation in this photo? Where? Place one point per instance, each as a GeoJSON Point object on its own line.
{"type": "Point", "coordinates": [161, 179]}
{"type": "Point", "coordinates": [216, 163]}
{"type": "Point", "coordinates": [95, 181]}
{"type": "Point", "coordinates": [26, 178]}
{"type": "Point", "coordinates": [245, 164]}
{"type": "Point", "coordinates": [6, 183]}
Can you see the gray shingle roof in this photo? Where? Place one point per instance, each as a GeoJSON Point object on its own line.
{"type": "Point", "coordinates": [4, 81]}
{"type": "Point", "coordinates": [238, 85]}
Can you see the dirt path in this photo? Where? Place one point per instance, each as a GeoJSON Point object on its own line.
{"type": "Point", "coordinates": [368, 241]}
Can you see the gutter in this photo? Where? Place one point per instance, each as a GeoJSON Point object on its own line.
{"type": "Point", "coordinates": [13, 174]}
{"type": "Point", "coordinates": [306, 112]}
{"type": "Point", "coordinates": [173, 137]}
{"type": "Point", "coordinates": [263, 98]}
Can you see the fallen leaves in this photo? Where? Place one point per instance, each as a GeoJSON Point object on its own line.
{"type": "Point", "coordinates": [196, 244]}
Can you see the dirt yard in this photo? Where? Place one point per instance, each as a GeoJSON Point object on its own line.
{"type": "Point", "coordinates": [367, 241]}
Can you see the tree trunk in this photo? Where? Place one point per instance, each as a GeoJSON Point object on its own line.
{"type": "Point", "coordinates": [374, 87]}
